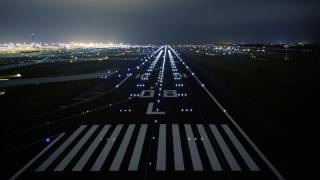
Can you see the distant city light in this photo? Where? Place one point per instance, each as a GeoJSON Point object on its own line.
{"type": "Point", "coordinates": [73, 45]}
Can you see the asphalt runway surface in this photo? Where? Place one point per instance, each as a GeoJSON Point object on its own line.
{"type": "Point", "coordinates": [154, 120]}
{"type": "Point", "coordinates": [44, 80]}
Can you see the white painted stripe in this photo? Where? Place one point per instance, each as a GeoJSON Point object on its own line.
{"type": "Point", "coordinates": [195, 157]}
{"type": "Point", "coordinates": [126, 78]}
{"type": "Point", "coordinates": [213, 159]}
{"type": "Point", "coordinates": [135, 159]}
{"type": "Point", "coordinates": [178, 158]}
{"type": "Point", "coordinates": [63, 164]}
{"type": "Point", "coordinates": [86, 156]}
{"type": "Point", "coordinates": [161, 155]}
{"type": "Point", "coordinates": [80, 99]}
{"type": "Point", "coordinates": [122, 149]}
{"type": "Point", "coordinates": [25, 167]}
{"type": "Point", "coordinates": [225, 149]}
{"type": "Point", "coordinates": [106, 149]}
{"type": "Point", "coordinates": [170, 94]}
{"type": "Point", "coordinates": [58, 151]}
{"type": "Point", "coordinates": [144, 92]}
{"type": "Point", "coordinates": [151, 112]}
{"type": "Point", "coordinates": [242, 151]}
{"type": "Point", "coordinates": [252, 144]}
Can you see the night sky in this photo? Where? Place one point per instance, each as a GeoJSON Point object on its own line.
{"type": "Point", "coordinates": [160, 21]}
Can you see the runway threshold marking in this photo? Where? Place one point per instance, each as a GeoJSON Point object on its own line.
{"type": "Point", "coordinates": [225, 149]}
{"type": "Point", "coordinates": [85, 157]}
{"type": "Point", "coordinates": [244, 154]}
{"type": "Point", "coordinates": [161, 154]}
{"type": "Point", "coordinates": [75, 149]}
{"type": "Point", "coordinates": [213, 159]}
{"type": "Point", "coordinates": [195, 157]}
{"type": "Point", "coordinates": [55, 155]}
{"type": "Point", "coordinates": [122, 149]}
{"type": "Point", "coordinates": [135, 158]}
{"type": "Point", "coordinates": [106, 149]}
{"type": "Point", "coordinates": [161, 157]}
{"type": "Point", "coordinates": [178, 156]}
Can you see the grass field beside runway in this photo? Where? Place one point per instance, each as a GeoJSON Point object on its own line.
{"type": "Point", "coordinates": [68, 68]}
{"type": "Point", "coordinates": [273, 99]}
{"type": "Point", "coordinates": [271, 83]}
{"type": "Point", "coordinates": [25, 101]}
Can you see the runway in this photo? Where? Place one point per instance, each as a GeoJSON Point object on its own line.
{"type": "Point", "coordinates": [153, 120]}
{"type": "Point", "coordinates": [45, 80]}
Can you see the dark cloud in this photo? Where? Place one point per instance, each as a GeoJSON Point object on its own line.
{"type": "Point", "coordinates": [160, 21]}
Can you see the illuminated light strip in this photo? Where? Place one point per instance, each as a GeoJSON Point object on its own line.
{"type": "Point", "coordinates": [252, 144]}
{"type": "Point", "coordinates": [171, 60]}
{"type": "Point", "coordinates": [170, 56]}
{"type": "Point", "coordinates": [16, 175]}
{"type": "Point", "coordinates": [156, 51]}
{"type": "Point", "coordinates": [157, 57]}
{"type": "Point", "coordinates": [164, 60]}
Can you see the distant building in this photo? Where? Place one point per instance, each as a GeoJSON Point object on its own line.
{"type": "Point", "coordinates": [32, 35]}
